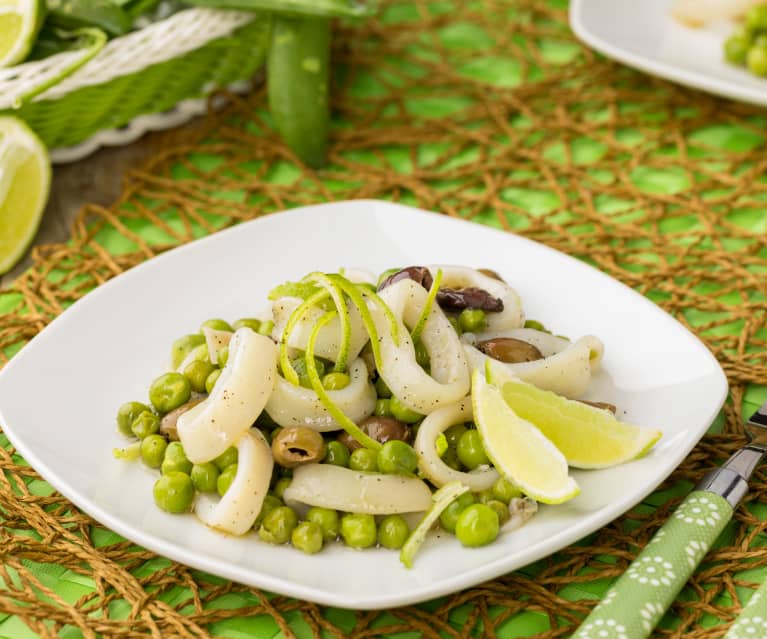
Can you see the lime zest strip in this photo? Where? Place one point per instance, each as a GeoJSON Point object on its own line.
{"type": "Point", "coordinates": [342, 359]}
{"type": "Point", "coordinates": [441, 499]}
{"type": "Point", "coordinates": [418, 328]}
{"type": "Point", "coordinates": [288, 372]}
{"type": "Point", "coordinates": [311, 369]}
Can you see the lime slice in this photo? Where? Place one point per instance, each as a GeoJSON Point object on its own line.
{"type": "Point", "coordinates": [25, 178]}
{"type": "Point", "coordinates": [19, 22]}
{"type": "Point", "coordinates": [588, 437]}
{"type": "Point", "coordinates": [518, 449]}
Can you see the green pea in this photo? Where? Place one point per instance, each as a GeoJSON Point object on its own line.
{"type": "Point", "coordinates": [477, 525]}
{"type": "Point", "coordinates": [757, 60]}
{"type": "Point", "coordinates": [222, 356]}
{"type": "Point", "coordinates": [169, 391]}
{"type": "Point", "coordinates": [337, 454]}
{"type": "Point", "coordinates": [335, 381]}
{"type": "Point", "coordinates": [756, 18]}
{"type": "Point", "coordinates": [453, 434]}
{"type": "Point", "coordinates": [269, 504]}
{"type": "Point", "coordinates": [383, 408]}
{"type": "Point", "coordinates": [175, 460]}
{"type": "Point", "coordinates": [147, 423]}
{"type": "Point", "coordinates": [183, 346]}
{"type": "Point", "coordinates": [226, 478]}
{"type": "Point", "coordinates": [505, 490]}
{"type": "Point", "coordinates": [470, 450]}
{"type": "Point", "coordinates": [217, 325]}
{"type": "Point", "coordinates": [174, 492]}
{"type": "Point", "coordinates": [397, 458]}
{"type": "Point", "coordinates": [450, 457]}
{"type": "Point", "coordinates": [403, 413]}
{"type": "Point", "coordinates": [205, 477]}
{"type": "Point", "coordinates": [210, 380]}
{"type": "Point", "coordinates": [455, 323]}
{"type": "Point", "coordinates": [327, 519]}
{"type": "Point", "coordinates": [484, 496]}
{"type": "Point", "coordinates": [127, 413]}
{"type": "Point", "coordinates": [449, 516]}
{"type": "Point", "coordinates": [472, 320]}
{"type": "Point", "coordinates": [421, 354]}
{"type": "Point", "coordinates": [299, 364]}
{"type": "Point", "coordinates": [153, 450]}
{"type": "Point", "coordinates": [251, 322]}
{"type": "Point", "coordinates": [266, 328]}
{"type": "Point", "coordinates": [736, 49]}
{"type": "Point", "coordinates": [393, 531]}
{"type": "Point", "coordinates": [197, 372]}
{"type": "Point", "coordinates": [307, 537]}
{"type": "Point", "coordinates": [227, 458]}
{"type": "Point", "coordinates": [382, 389]}
{"type": "Point", "coordinates": [501, 509]}
{"type": "Point", "coordinates": [358, 530]}
{"type": "Point", "coordinates": [364, 459]}
{"type": "Point", "coordinates": [281, 486]}
{"type": "Point", "coordinates": [277, 526]}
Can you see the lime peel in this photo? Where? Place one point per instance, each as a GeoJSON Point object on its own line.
{"type": "Point", "coordinates": [311, 369]}
{"type": "Point", "coordinates": [518, 449]}
{"type": "Point", "coordinates": [418, 328]}
{"type": "Point", "coordinates": [288, 372]}
{"type": "Point", "coordinates": [441, 499]}
{"type": "Point", "coordinates": [342, 359]}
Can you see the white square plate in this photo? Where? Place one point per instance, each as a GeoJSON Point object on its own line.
{"type": "Point", "coordinates": [644, 35]}
{"type": "Point", "coordinates": [59, 395]}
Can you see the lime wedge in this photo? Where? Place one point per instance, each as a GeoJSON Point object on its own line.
{"type": "Point", "coordinates": [19, 23]}
{"type": "Point", "coordinates": [25, 178]}
{"type": "Point", "coordinates": [518, 449]}
{"type": "Point", "coordinates": [588, 437]}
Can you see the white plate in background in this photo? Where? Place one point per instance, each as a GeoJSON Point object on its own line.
{"type": "Point", "coordinates": [60, 393]}
{"type": "Point", "coordinates": [643, 34]}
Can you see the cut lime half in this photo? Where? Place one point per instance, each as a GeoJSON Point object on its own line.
{"type": "Point", "coordinates": [518, 449]}
{"type": "Point", "coordinates": [25, 179]}
{"type": "Point", "coordinates": [19, 23]}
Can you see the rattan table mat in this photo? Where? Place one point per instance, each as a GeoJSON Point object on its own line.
{"type": "Point", "coordinates": [487, 110]}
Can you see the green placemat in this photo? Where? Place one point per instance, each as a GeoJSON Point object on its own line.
{"type": "Point", "coordinates": [487, 110]}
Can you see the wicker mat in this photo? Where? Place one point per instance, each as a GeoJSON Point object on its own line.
{"type": "Point", "coordinates": [487, 110]}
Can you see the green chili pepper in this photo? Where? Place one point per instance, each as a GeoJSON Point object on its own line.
{"type": "Point", "coordinates": [71, 14]}
{"type": "Point", "coordinates": [298, 74]}
{"type": "Point", "coordinates": [324, 8]}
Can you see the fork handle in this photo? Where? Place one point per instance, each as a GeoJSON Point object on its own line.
{"type": "Point", "coordinates": [637, 600]}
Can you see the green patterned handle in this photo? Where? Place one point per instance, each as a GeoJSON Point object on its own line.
{"type": "Point", "coordinates": [752, 620]}
{"type": "Point", "coordinates": [637, 601]}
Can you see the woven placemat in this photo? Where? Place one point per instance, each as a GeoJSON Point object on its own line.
{"type": "Point", "coordinates": [487, 110]}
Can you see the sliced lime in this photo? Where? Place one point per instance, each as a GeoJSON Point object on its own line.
{"type": "Point", "coordinates": [19, 23]}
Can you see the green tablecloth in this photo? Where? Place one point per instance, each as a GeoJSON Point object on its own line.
{"type": "Point", "coordinates": [483, 109]}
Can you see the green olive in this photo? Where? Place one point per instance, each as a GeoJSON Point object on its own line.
{"type": "Point", "coordinates": [380, 428]}
{"type": "Point", "coordinates": [307, 537]}
{"type": "Point", "coordinates": [296, 445]}
{"type": "Point", "coordinates": [183, 346]}
{"type": "Point", "coordinates": [174, 492]}
{"type": "Point", "coordinates": [126, 414]}
{"type": "Point", "coordinates": [197, 372]}
{"type": "Point", "coordinates": [358, 530]}
{"type": "Point", "coordinates": [169, 422]}
{"type": "Point", "coordinates": [509, 350]}
{"type": "Point", "coordinates": [169, 391]}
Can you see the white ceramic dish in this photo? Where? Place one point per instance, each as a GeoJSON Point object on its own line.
{"type": "Point", "coordinates": [59, 395]}
{"type": "Point", "coordinates": [643, 35]}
